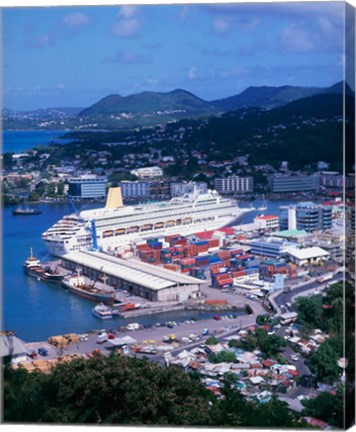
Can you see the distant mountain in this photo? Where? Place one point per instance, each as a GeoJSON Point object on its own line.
{"type": "Point", "coordinates": [271, 97]}
{"type": "Point", "coordinates": [149, 103]}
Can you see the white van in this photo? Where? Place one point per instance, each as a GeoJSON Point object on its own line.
{"type": "Point", "coordinates": [102, 337]}
{"type": "Point", "coordinates": [133, 326]}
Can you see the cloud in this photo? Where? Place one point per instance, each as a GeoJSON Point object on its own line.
{"type": "Point", "coordinates": [193, 73]}
{"type": "Point", "coordinates": [42, 41]}
{"type": "Point", "coordinates": [132, 57]}
{"type": "Point", "coordinates": [222, 24]}
{"type": "Point", "coordinates": [296, 39]}
{"type": "Point", "coordinates": [75, 20]}
{"type": "Point", "coordinates": [129, 23]}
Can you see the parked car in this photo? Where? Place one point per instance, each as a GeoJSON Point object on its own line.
{"type": "Point", "coordinates": [133, 326]}
{"type": "Point", "coordinates": [102, 337]}
{"type": "Point", "coordinates": [43, 352]}
{"type": "Point", "coordinates": [83, 337]}
{"type": "Point", "coordinates": [33, 355]}
{"type": "Point", "coordinates": [111, 336]}
{"type": "Point", "coordinates": [294, 357]}
{"type": "Point", "coordinates": [217, 317]}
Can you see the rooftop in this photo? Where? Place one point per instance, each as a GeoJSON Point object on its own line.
{"type": "Point", "coordinates": [290, 233]}
{"type": "Point", "coordinates": [308, 253]}
{"type": "Point", "coordinates": [137, 272]}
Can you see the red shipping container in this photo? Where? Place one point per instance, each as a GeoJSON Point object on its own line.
{"type": "Point", "coordinates": [236, 252]}
{"type": "Point", "coordinates": [224, 282]}
{"type": "Point", "coordinates": [186, 261]}
{"type": "Point", "coordinates": [181, 242]}
{"type": "Point", "coordinates": [213, 243]}
{"type": "Point", "coordinates": [184, 270]}
{"type": "Point", "coordinates": [239, 273]}
{"type": "Point", "coordinates": [143, 247]}
{"type": "Point", "coordinates": [223, 276]}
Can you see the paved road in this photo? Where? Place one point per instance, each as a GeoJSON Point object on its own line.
{"type": "Point", "coordinates": [284, 298]}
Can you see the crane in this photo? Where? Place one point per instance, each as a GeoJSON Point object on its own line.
{"type": "Point", "coordinates": [92, 227]}
{"type": "Point", "coordinates": [75, 210]}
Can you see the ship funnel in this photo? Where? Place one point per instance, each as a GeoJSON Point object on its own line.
{"type": "Point", "coordinates": [114, 198]}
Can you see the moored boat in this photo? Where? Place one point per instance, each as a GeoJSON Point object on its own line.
{"type": "Point", "coordinates": [76, 284]}
{"type": "Point", "coordinates": [33, 267]}
{"type": "Point", "coordinates": [26, 211]}
{"type": "Point", "coordinates": [102, 312]}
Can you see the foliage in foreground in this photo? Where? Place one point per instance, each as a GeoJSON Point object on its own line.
{"type": "Point", "coordinates": [124, 390]}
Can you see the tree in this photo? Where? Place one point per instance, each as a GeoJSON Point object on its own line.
{"type": "Point", "coordinates": [324, 360]}
{"type": "Point", "coordinates": [269, 344]}
{"type": "Point", "coordinates": [113, 390]}
{"type": "Point", "coordinates": [211, 340]}
{"type": "Point", "coordinates": [327, 407]}
{"type": "Point", "coordinates": [309, 311]}
{"type": "Point", "coordinates": [222, 356]}
{"type": "Point", "coordinates": [263, 319]}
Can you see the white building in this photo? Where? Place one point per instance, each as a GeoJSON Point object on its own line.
{"type": "Point", "coordinates": [234, 184]}
{"type": "Point", "coordinates": [148, 172]}
{"type": "Point", "coordinates": [267, 222]}
{"type": "Point", "coordinates": [87, 186]}
{"type": "Point", "coordinates": [294, 183]}
{"type": "Point", "coordinates": [135, 189]}
{"type": "Point", "coordinates": [309, 255]}
{"type": "Point", "coordinates": [181, 188]}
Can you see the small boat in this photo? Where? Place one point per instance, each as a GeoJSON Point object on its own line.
{"type": "Point", "coordinates": [33, 267]}
{"type": "Point", "coordinates": [102, 312]}
{"type": "Point", "coordinates": [263, 206]}
{"type": "Point", "coordinates": [26, 211]}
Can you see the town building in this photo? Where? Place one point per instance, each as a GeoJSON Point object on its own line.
{"type": "Point", "coordinates": [293, 183]}
{"type": "Point", "coordinates": [267, 222]}
{"type": "Point", "coordinates": [87, 186]}
{"type": "Point", "coordinates": [147, 172]}
{"type": "Point", "coordinates": [234, 184]}
{"type": "Point", "coordinates": [306, 216]}
{"type": "Point", "coordinates": [307, 256]}
{"type": "Point", "coordinates": [271, 247]}
{"type": "Point", "coordinates": [135, 189]}
{"type": "Point", "coordinates": [181, 188]}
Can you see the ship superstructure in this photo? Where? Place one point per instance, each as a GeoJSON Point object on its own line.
{"type": "Point", "coordinates": [118, 225]}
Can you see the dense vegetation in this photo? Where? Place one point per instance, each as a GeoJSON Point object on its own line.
{"type": "Point", "coordinates": [333, 313]}
{"type": "Point", "coordinates": [126, 390]}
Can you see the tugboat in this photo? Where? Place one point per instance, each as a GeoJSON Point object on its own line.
{"type": "Point", "coordinates": [26, 211]}
{"type": "Point", "coordinates": [33, 267]}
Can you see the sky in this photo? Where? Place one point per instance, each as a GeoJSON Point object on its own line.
{"type": "Point", "coordinates": [74, 56]}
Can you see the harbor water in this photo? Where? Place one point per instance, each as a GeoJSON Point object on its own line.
{"type": "Point", "coordinates": [19, 141]}
{"type": "Point", "coordinates": [36, 310]}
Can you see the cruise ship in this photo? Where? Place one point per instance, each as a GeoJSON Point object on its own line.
{"type": "Point", "coordinates": [118, 225]}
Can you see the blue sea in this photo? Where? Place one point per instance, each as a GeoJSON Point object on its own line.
{"type": "Point", "coordinates": [19, 141]}
{"type": "Point", "coordinates": [36, 310]}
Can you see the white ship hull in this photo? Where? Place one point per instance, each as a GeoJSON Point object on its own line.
{"type": "Point", "coordinates": [122, 226]}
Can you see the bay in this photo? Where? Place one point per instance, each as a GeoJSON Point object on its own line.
{"type": "Point", "coordinates": [36, 310]}
{"type": "Point", "coordinates": [19, 141]}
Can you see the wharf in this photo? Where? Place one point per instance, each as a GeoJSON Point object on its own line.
{"type": "Point", "coordinates": [150, 311]}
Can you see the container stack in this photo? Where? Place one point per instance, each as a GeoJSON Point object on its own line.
{"type": "Point", "coordinates": [222, 280]}
{"type": "Point", "coordinates": [197, 272]}
{"type": "Point", "coordinates": [186, 264]}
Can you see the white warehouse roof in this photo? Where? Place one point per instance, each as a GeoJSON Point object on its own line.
{"type": "Point", "coordinates": [137, 272]}
{"type": "Point", "coordinates": [308, 253]}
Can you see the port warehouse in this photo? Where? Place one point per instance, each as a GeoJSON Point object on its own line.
{"type": "Point", "coordinates": [138, 278]}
